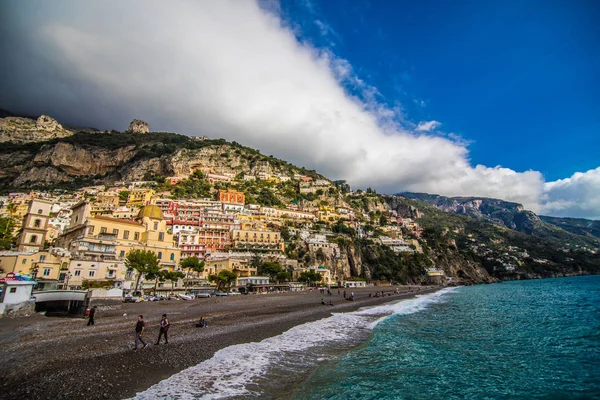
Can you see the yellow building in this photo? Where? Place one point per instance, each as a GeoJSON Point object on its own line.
{"type": "Point", "coordinates": [327, 216]}
{"type": "Point", "coordinates": [140, 197]}
{"type": "Point", "coordinates": [99, 244]}
{"type": "Point", "coordinates": [108, 198]}
{"type": "Point", "coordinates": [240, 266]}
{"type": "Point", "coordinates": [320, 269]}
{"type": "Point", "coordinates": [46, 266]}
{"type": "Point", "coordinates": [257, 240]}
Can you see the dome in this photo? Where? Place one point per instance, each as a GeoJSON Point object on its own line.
{"type": "Point", "coordinates": [151, 211]}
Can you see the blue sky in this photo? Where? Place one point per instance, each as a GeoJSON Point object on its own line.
{"type": "Point", "coordinates": [519, 80]}
{"type": "Point", "coordinates": [481, 98]}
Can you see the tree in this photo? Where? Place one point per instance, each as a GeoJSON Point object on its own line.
{"type": "Point", "coordinates": [144, 262]}
{"type": "Point", "coordinates": [192, 264]}
{"type": "Point", "coordinates": [157, 275]}
{"type": "Point", "coordinates": [283, 276]}
{"type": "Point", "coordinates": [310, 277]}
{"type": "Point", "coordinates": [223, 279]}
{"type": "Point", "coordinates": [173, 276]}
{"type": "Point", "coordinates": [7, 238]}
{"type": "Point", "coordinates": [273, 270]}
{"type": "Point", "coordinates": [123, 195]}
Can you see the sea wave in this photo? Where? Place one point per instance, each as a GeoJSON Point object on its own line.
{"type": "Point", "coordinates": [240, 370]}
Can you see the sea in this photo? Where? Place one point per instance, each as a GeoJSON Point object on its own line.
{"type": "Point", "coordinates": [537, 339]}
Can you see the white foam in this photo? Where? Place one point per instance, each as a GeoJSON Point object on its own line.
{"type": "Point", "coordinates": [232, 371]}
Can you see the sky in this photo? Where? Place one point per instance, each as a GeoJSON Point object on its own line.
{"type": "Point", "coordinates": [463, 98]}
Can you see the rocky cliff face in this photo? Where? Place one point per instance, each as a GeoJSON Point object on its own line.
{"type": "Point", "coordinates": [24, 130]}
{"type": "Point", "coordinates": [139, 126]}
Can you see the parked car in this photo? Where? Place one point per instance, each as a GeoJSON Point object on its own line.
{"type": "Point", "coordinates": [202, 295]}
{"type": "Point", "coordinates": [233, 293]}
{"type": "Point", "coordinates": [184, 297]}
{"type": "Point", "coordinates": [220, 294]}
{"type": "Point", "coordinates": [131, 299]}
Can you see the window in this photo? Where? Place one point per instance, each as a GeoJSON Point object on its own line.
{"type": "Point", "coordinates": [46, 271]}
{"type": "Point", "coordinates": [33, 239]}
{"type": "Point", "coordinates": [160, 255]}
{"type": "Point", "coordinates": [79, 264]}
{"type": "Point", "coordinates": [93, 265]}
{"type": "Point", "coordinates": [156, 226]}
{"type": "Point", "coordinates": [122, 253]}
{"type": "Point", "coordinates": [77, 272]}
{"type": "Point", "coordinates": [40, 211]}
{"type": "Point", "coordinates": [161, 236]}
{"type": "Point", "coordinates": [37, 223]}
{"type": "Point", "coordinates": [91, 230]}
{"type": "Point", "coordinates": [172, 256]}
{"type": "Point", "coordinates": [103, 229]}
{"type": "Point", "coordinates": [91, 274]}
{"type": "Point", "coordinates": [13, 290]}
{"type": "Point", "coordinates": [125, 234]}
{"type": "Point", "coordinates": [136, 236]}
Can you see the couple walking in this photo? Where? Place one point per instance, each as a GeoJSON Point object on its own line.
{"type": "Point", "coordinates": [141, 325]}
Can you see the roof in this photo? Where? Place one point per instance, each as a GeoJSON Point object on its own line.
{"type": "Point", "coordinates": [126, 221]}
{"type": "Point", "coordinates": [151, 211]}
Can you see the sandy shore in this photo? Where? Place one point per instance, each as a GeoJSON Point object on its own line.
{"type": "Point", "coordinates": [60, 358]}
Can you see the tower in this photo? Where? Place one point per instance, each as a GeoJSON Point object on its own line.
{"type": "Point", "coordinates": [35, 226]}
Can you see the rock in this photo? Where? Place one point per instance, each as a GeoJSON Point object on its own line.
{"type": "Point", "coordinates": [139, 126]}
{"type": "Point", "coordinates": [45, 123]}
{"type": "Point", "coordinates": [24, 130]}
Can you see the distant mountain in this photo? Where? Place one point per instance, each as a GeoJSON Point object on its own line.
{"type": "Point", "coordinates": [507, 214]}
{"type": "Point", "coordinates": [578, 226]}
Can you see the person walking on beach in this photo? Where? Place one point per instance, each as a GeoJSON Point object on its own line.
{"type": "Point", "coordinates": [91, 316]}
{"type": "Point", "coordinates": [164, 328]}
{"type": "Point", "coordinates": [139, 331]}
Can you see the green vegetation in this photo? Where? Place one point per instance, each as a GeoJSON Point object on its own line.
{"type": "Point", "coordinates": [144, 262]}
{"type": "Point", "coordinates": [223, 279]}
{"type": "Point", "coordinates": [7, 237]}
{"type": "Point", "coordinates": [192, 264]}
{"type": "Point", "coordinates": [310, 277]}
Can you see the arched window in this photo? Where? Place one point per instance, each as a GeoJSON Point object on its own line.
{"type": "Point", "coordinates": [172, 256]}
{"type": "Point", "coordinates": [33, 239]}
{"type": "Point", "coordinates": [37, 223]}
{"type": "Point", "coordinates": [160, 255]}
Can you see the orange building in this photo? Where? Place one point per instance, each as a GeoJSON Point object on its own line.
{"type": "Point", "coordinates": [231, 196]}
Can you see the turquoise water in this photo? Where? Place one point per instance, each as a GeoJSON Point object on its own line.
{"type": "Point", "coordinates": [515, 340]}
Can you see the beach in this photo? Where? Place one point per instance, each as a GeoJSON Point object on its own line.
{"type": "Point", "coordinates": [42, 357]}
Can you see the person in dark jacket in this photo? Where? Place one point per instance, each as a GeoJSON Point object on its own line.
{"type": "Point", "coordinates": [164, 328]}
{"type": "Point", "coordinates": [139, 331]}
{"type": "Point", "coordinates": [92, 315]}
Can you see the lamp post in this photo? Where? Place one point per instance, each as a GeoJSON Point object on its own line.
{"type": "Point", "coordinates": [66, 287]}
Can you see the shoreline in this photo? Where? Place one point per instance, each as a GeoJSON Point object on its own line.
{"type": "Point", "coordinates": [44, 357]}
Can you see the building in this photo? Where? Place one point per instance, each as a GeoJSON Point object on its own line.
{"type": "Point", "coordinates": [232, 196]}
{"type": "Point", "coordinates": [139, 197]}
{"type": "Point", "coordinates": [99, 244]}
{"type": "Point", "coordinates": [258, 241]}
{"type": "Point", "coordinates": [240, 266]}
{"type": "Point", "coordinates": [35, 226]}
{"type": "Point", "coordinates": [16, 295]}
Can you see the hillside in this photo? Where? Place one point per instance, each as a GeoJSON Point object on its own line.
{"type": "Point", "coordinates": [31, 157]}
{"type": "Point", "coordinates": [578, 226]}
{"type": "Point", "coordinates": [472, 240]}
{"type": "Point", "coordinates": [509, 215]}
{"type": "Point", "coordinates": [504, 253]}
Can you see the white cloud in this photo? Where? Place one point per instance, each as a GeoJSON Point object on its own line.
{"type": "Point", "coordinates": [230, 69]}
{"type": "Point", "coordinates": [426, 126]}
{"type": "Point", "coordinates": [577, 196]}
